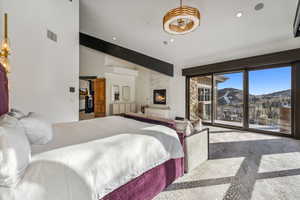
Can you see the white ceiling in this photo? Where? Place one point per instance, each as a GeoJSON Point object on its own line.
{"type": "Point", "coordinates": [137, 24]}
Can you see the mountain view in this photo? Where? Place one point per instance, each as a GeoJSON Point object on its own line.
{"type": "Point", "coordinates": [235, 96]}
{"type": "Point", "coordinates": [267, 111]}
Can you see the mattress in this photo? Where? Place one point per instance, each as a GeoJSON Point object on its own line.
{"type": "Point", "coordinates": [89, 159]}
{"type": "Point", "coordinates": [66, 134]}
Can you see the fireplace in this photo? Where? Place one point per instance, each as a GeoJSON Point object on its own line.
{"type": "Point", "coordinates": [160, 97]}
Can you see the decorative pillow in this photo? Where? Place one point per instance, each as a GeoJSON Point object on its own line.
{"type": "Point", "coordinates": [16, 114]}
{"type": "Point", "coordinates": [198, 125]}
{"type": "Point", "coordinates": [180, 125]}
{"type": "Point", "coordinates": [15, 152]}
{"type": "Point", "coordinates": [38, 130]}
{"type": "Point", "coordinates": [189, 128]}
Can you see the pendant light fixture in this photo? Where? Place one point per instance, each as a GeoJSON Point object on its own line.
{"type": "Point", "coordinates": [181, 20]}
{"type": "Point", "coordinates": [4, 48]}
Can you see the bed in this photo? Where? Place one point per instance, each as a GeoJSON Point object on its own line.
{"type": "Point", "coordinates": [58, 169]}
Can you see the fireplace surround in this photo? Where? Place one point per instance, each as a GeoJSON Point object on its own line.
{"type": "Point", "coordinates": [160, 97]}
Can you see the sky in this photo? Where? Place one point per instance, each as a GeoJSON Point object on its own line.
{"type": "Point", "coordinates": [261, 81]}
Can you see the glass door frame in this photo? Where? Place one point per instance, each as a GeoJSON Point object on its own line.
{"type": "Point", "coordinates": [245, 126]}
{"type": "Point", "coordinates": [214, 110]}
{"type": "Point", "coordinates": [292, 100]}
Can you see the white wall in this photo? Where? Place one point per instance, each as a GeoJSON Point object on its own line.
{"type": "Point", "coordinates": [93, 63]}
{"type": "Point", "coordinates": [143, 94]}
{"type": "Point", "coordinates": [149, 80]}
{"type": "Point", "coordinates": [1, 18]}
{"type": "Point", "coordinates": [177, 92]}
{"type": "Point", "coordinates": [120, 80]}
{"type": "Point", "coordinates": [42, 70]}
{"type": "Point", "coordinates": [96, 63]}
{"type": "Point", "coordinates": [160, 81]}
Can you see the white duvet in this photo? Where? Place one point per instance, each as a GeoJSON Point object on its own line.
{"type": "Point", "coordinates": [91, 169]}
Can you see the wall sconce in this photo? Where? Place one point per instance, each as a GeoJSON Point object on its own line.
{"type": "Point", "coordinates": [4, 48]}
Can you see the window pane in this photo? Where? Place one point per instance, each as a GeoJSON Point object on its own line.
{"type": "Point", "coordinates": [229, 99]}
{"type": "Point", "coordinates": [200, 98]}
{"type": "Point", "coordinates": [270, 99]}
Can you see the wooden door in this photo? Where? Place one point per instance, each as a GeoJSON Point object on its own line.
{"type": "Point", "coordinates": [99, 98]}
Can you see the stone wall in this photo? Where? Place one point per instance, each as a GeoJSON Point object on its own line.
{"type": "Point", "coordinates": [197, 108]}
{"type": "Point", "coordinates": [194, 111]}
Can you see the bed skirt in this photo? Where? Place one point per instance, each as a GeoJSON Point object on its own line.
{"type": "Point", "coordinates": [150, 184]}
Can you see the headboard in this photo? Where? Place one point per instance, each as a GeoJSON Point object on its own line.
{"type": "Point", "coordinates": [3, 91]}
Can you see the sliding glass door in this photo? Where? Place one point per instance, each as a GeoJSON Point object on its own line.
{"type": "Point", "coordinates": [228, 99]}
{"type": "Point", "coordinates": [270, 100]}
{"type": "Point", "coordinates": [259, 99]}
{"type": "Point", "coordinates": [200, 98]}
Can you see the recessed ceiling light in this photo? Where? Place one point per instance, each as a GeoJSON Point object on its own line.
{"type": "Point", "coordinates": [114, 38]}
{"type": "Point", "coordinates": [172, 40]}
{"type": "Point", "coordinates": [259, 6]}
{"type": "Point", "coordinates": [239, 14]}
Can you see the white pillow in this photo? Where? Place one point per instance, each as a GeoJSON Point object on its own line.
{"type": "Point", "coordinates": [37, 129]}
{"type": "Point", "coordinates": [16, 113]}
{"type": "Point", "coordinates": [198, 125]}
{"type": "Point", "coordinates": [189, 128]}
{"type": "Point", "coordinates": [180, 125]}
{"type": "Point", "coordinates": [15, 152]}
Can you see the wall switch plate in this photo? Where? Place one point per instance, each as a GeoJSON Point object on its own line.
{"type": "Point", "coordinates": [51, 35]}
{"type": "Point", "coordinates": [72, 89]}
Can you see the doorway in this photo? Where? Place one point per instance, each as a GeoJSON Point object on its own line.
{"type": "Point", "coordinates": [92, 98]}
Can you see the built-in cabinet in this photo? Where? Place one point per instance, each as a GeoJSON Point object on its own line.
{"type": "Point", "coordinates": [121, 108]}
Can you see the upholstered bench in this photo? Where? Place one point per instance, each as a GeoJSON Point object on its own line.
{"type": "Point", "coordinates": [196, 147]}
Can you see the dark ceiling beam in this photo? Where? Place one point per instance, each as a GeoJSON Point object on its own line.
{"type": "Point", "coordinates": [127, 54]}
{"type": "Point", "coordinates": [283, 57]}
